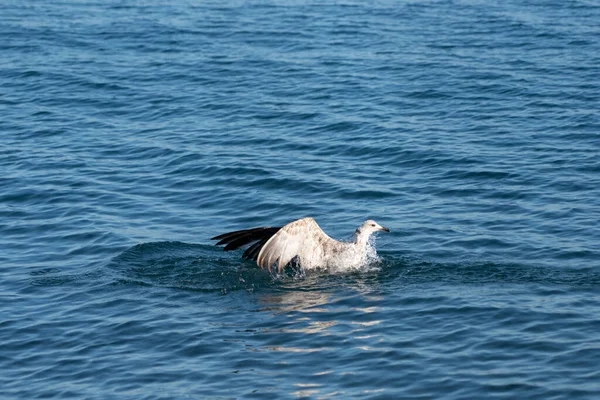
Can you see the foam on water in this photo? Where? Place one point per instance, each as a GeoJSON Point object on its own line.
{"type": "Point", "coordinates": [368, 262]}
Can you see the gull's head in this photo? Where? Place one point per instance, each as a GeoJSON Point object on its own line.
{"type": "Point", "coordinates": [369, 227]}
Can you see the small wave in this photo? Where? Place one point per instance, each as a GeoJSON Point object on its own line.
{"type": "Point", "coordinates": [412, 269]}
{"type": "Point", "coordinates": [186, 266]}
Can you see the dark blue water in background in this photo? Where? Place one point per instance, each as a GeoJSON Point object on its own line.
{"type": "Point", "coordinates": [132, 132]}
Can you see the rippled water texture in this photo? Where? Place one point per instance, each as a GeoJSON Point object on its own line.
{"type": "Point", "coordinates": [132, 132]}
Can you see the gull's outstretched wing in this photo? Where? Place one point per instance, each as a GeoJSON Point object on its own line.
{"type": "Point", "coordinates": [303, 238]}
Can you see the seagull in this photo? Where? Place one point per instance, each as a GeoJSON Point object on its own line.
{"type": "Point", "coordinates": [304, 241]}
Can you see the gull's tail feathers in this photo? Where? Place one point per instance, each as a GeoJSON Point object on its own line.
{"type": "Point", "coordinates": [257, 236]}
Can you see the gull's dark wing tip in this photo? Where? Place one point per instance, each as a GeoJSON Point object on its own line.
{"type": "Point", "coordinates": [225, 235]}
{"type": "Point", "coordinates": [257, 236]}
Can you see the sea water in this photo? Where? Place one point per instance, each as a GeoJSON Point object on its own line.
{"type": "Point", "coordinates": [133, 132]}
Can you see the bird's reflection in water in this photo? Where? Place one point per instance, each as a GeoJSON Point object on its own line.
{"type": "Point", "coordinates": [310, 320]}
{"type": "Point", "coordinates": [315, 292]}
{"type": "Point", "coordinates": [307, 389]}
{"type": "Point", "coordinates": [300, 301]}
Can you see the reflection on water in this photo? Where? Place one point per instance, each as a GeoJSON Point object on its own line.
{"type": "Point", "coordinates": [307, 389]}
{"type": "Point", "coordinates": [297, 349]}
{"type": "Point", "coordinates": [283, 302]}
{"type": "Point", "coordinates": [317, 318]}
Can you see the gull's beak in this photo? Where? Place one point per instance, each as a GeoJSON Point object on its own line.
{"type": "Point", "coordinates": [383, 228]}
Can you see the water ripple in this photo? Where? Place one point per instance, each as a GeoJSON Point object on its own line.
{"type": "Point", "coordinates": [131, 138]}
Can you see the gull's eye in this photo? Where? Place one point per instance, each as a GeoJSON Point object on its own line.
{"type": "Point", "coordinates": [372, 224]}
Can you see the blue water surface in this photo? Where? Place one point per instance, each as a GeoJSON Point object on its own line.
{"type": "Point", "coordinates": [133, 132]}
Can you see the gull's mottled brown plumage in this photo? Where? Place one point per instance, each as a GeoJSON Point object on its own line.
{"type": "Point", "coordinates": [303, 240]}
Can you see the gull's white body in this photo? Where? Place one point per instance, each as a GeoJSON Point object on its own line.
{"type": "Point", "coordinates": [305, 240]}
